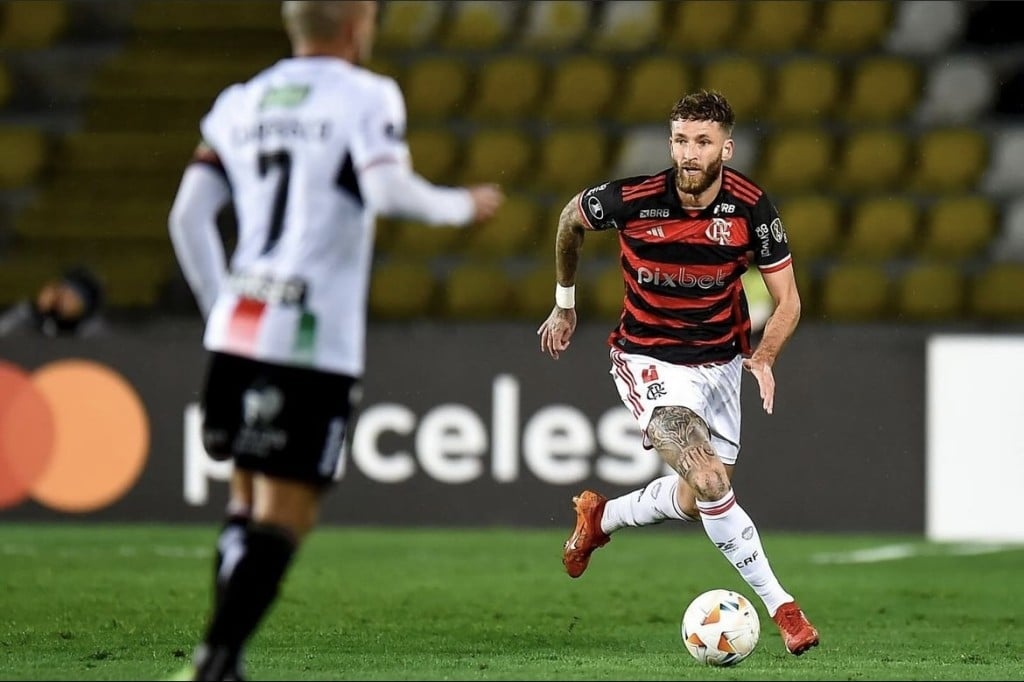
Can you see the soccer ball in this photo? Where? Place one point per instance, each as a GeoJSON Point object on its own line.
{"type": "Point", "coordinates": [720, 627]}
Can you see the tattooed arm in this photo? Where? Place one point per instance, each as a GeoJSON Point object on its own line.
{"type": "Point", "coordinates": [557, 330]}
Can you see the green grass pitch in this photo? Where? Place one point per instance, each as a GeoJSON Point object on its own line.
{"type": "Point", "coordinates": [104, 602]}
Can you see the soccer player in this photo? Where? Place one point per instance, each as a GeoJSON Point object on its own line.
{"type": "Point", "coordinates": [308, 151]}
{"type": "Point", "coordinates": [683, 340]}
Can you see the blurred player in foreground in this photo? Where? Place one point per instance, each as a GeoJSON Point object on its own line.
{"type": "Point", "coordinates": [684, 338]}
{"type": "Point", "coordinates": [309, 151]}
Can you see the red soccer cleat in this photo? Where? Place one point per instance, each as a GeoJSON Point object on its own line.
{"type": "Point", "coordinates": [797, 631]}
{"type": "Point", "coordinates": [587, 536]}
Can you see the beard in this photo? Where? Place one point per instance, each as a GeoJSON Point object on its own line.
{"type": "Point", "coordinates": [698, 184]}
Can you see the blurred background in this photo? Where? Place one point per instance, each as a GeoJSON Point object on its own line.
{"type": "Point", "coordinates": [890, 135]}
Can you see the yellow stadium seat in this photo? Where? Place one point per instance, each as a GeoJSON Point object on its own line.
{"type": "Point", "coordinates": [627, 25]}
{"type": "Point", "coordinates": [408, 24]}
{"type": "Point", "coordinates": [596, 245]}
{"type": "Point", "coordinates": [580, 89]}
{"type": "Point", "coordinates": [535, 293]}
{"type": "Point", "coordinates": [24, 156]}
{"type": "Point", "coordinates": [651, 86]}
{"type": "Point", "coordinates": [959, 227]}
{"type": "Point", "coordinates": [511, 232]}
{"type": "Point", "coordinates": [410, 239]}
{"type": "Point", "coordinates": [806, 90]}
{"type": "Point", "coordinates": [402, 289]}
{"type": "Point", "coordinates": [501, 154]}
{"type": "Point", "coordinates": [204, 15]}
{"type": "Point", "coordinates": [776, 26]}
{"type": "Point", "coordinates": [949, 159]}
{"type": "Point", "coordinates": [849, 26]}
{"type": "Point", "coordinates": [476, 291]}
{"type": "Point", "coordinates": [572, 159]}
{"type": "Point", "coordinates": [883, 89]}
{"type": "Point", "coordinates": [30, 25]}
{"type": "Point", "coordinates": [881, 228]}
{"type": "Point", "coordinates": [478, 24]}
{"type": "Point", "coordinates": [873, 159]}
{"type": "Point", "coordinates": [435, 86]}
{"type": "Point", "coordinates": [605, 294]}
{"type": "Point", "coordinates": [434, 153]}
{"type": "Point", "coordinates": [813, 225]}
{"type": "Point", "coordinates": [931, 292]}
{"type": "Point", "coordinates": [996, 293]}
{"type": "Point", "coordinates": [507, 87]}
{"type": "Point", "coordinates": [796, 160]}
{"type": "Point", "coordinates": [743, 80]}
{"type": "Point", "coordinates": [555, 24]}
{"type": "Point", "coordinates": [699, 26]}
{"type": "Point", "coordinates": [852, 292]}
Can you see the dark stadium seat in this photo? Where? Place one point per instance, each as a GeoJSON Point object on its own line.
{"type": "Point", "coordinates": [408, 24]}
{"type": "Point", "coordinates": [24, 155]}
{"type": "Point", "coordinates": [504, 154]}
{"type": "Point", "coordinates": [872, 159]}
{"type": "Point", "coordinates": [929, 292]}
{"type": "Point", "coordinates": [32, 24]}
{"type": "Point", "coordinates": [996, 293]}
{"type": "Point", "coordinates": [855, 292]}
{"type": "Point", "coordinates": [435, 86]}
{"type": "Point", "coordinates": [580, 89]}
{"type": "Point", "coordinates": [805, 89]}
{"type": "Point", "coordinates": [776, 26]}
{"type": "Point", "coordinates": [627, 25]}
{"type": "Point", "coordinates": [698, 26]}
{"type": "Point", "coordinates": [554, 24]}
{"type": "Point", "coordinates": [743, 79]}
{"type": "Point", "coordinates": [852, 26]}
{"type": "Point", "coordinates": [435, 151]}
{"type": "Point", "coordinates": [402, 289]}
{"type": "Point", "coordinates": [948, 159]}
{"type": "Point", "coordinates": [512, 231]}
{"type": "Point", "coordinates": [813, 224]}
{"type": "Point", "coordinates": [494, 98]}
{"type": "Point", "coordinates": [651, 85]}
{"type": "Point", "coordinates": [881, 228]}
{"type": "Point", "coordinates": [476, 290]}
{"type": "Point", "coordinates": [796, 160]}
{"type": "Point", "coordinates": [478, 24]}
{"type": "Point", "coordinates": [959, 227]}
{"type": "Point", "coordinates": [883, 89]}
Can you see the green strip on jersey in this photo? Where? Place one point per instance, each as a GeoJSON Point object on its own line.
{"type": "Point", "coordinates": [305, 337]}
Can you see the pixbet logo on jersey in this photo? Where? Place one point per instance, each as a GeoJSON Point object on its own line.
{"type": "Point", "coordinates": [74, 435]}
{"type": "Point", "coordinates": [679, 278]}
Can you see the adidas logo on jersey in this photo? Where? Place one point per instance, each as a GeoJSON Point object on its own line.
{"type": "Point", "coordinates": [656, 231]}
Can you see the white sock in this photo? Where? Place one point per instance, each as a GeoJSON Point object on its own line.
{"type": "Point", "coordinates": [644, 507]}
{"type": "Point", "coordinates": [732, 531]}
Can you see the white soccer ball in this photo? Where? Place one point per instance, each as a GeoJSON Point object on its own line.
{"type": "Point", "coordinates": [720, 627]}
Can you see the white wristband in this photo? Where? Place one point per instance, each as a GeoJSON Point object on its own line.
{"type": "Point", "coordinates": [565, 297]}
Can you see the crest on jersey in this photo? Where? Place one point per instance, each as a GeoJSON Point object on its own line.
{"type": "Point", "coordinates": [720, 231]}
{"type": "Point", "coordinates": [285, 97]}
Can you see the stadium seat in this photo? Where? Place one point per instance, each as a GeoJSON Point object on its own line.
{"type": "Point", "coordinates": [926, 27]}
{"type": "Point", "coordinates": [949, 159]}
{"type": "Point", "coordinates": [580, 89]}
{"type": "Point", "coordinates": [476, 291]}
{"type": "Point", "coordinates": [435, 151]}
{"type": "Point", "coordinates": [512, 231]}
{"type": "Point", "coordinates": [776, 26]}
{"type": "Point", "coordinates": [958, 90]}
{"type": "Point", "coordinates": [408, 24]}
{"type": "Point", "coordinates": [535, 293]}
{"type": "Point", "coordinates": [1004, 176]}
{"type": "Point", "coordinates": [852, 26]}
{"type": "Point", "coordinates": [806, 89]}
{"type": "Point", "coordinates": [931, 292]}
{"type": "Point", "coordinates": [32, 25]}
{"type": "Point", "coordinates": [643, 150]}
{"type": "Point", "coordinates": [996, 293]}
{"type": "Point", "coordinates": [813, 224]}
{"type": "Point", "coordinates": [855, 292]}
{"type": "Point", "coordinates": [884, 89]}
{"type": "Point", "coordinates": [959, 227]}
{"type": "Point", "coordinates": [411, 239]}
{"type": "Point", "coordinates": [604, 293]}
{"type": "Point", "coordinates": [651, 86]}
{"type": "Point", "coordinates": [700, 27]}
{"type": "Point", "coordinates": [872, 159]}
{"type": "Point", "coordinates": [499, 154]}
{"type": "Point", "coordinates": [596, 245]}
{"type": "Point", "coordinates": [1009, 244]}
{"type": "Point", "coordinates": [24, 155]}
{"type": "Point", "coordinates": [479, 24]}
{"type": "Point", "coordinates": [435, 86]}
{"type": "Point", "coordinates": [493, 97]}
{"type": "Point", "coordinates": [881, 228]}
{"type": "Point", "coordinates": [743, 80]}
{"type": "Point", "coordinates": [627, 25]}
{"type": "Point", "coordinates": [572, 159]}
{"type": "Point", "coordinates": [555, 24]}
{"type": "Point", "coordinates": [401, 289]}
{"type": "Point", "coordinates": [796, 160]}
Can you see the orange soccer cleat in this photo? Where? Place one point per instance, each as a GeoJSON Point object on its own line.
{"type": "Point", "coordinates": [797, 631]}
{"type": "Point", "coordinates": [587, 536]}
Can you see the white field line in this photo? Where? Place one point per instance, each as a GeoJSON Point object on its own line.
{"type": "Point", "coordinates": [910, 551]}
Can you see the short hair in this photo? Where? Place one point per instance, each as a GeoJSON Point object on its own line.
{"type": "Point", "coordinates": [705, 105]}
{"type": "Point", "coordinates": [313, 19]}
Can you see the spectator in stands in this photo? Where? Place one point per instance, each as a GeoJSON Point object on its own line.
{"type": "Point", "coordinates": [315, 148]}
{"type": "Point", "coordinates": [66, 305]}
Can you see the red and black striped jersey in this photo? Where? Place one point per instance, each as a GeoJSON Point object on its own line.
{"type": "Point", "coordinates": [684, 301]}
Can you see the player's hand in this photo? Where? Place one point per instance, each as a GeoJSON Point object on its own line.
{"type": "Point", "coordinates": [762, 371]}
{"type": "Point", "coordinates": [557, 330]}
{"type": "Point", "coordinates": [487, 199]}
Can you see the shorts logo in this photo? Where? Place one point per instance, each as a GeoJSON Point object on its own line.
{"type": "Point", "coordinates": [656, 390]}
{"type": "Point", "coordinates": [720, 231]}
{"type": "Point", "coordinates": [260, 406]}
{"type": "Point", "coordinates": [649, 374]}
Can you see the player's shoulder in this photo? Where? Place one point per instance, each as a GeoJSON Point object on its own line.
{"type": "Point", "coordinates": [741, 187]}
{"type": "Point", "coordinates": [638, 187]}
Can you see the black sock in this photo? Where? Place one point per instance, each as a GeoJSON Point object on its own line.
{"type": "Point", "coordinates": [246, 595]}
{"type": "Point", "coordinates": [230, 545]}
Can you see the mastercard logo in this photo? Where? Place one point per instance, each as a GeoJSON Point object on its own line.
{"type": "Point", "coordinates": [74, 436]}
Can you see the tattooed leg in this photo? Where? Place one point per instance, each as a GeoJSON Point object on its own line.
{"type": "Point", "coordinates": [683, 440]}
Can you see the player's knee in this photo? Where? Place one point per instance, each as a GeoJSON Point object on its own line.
{"type": "Point", "coordinates": [710, 481]}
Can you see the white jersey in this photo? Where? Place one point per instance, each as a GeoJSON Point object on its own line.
{"type": "Point", "coordinates": [292, 141]}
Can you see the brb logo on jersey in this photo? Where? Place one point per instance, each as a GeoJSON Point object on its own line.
{"type": "Point", "coordinates": [74, 436]}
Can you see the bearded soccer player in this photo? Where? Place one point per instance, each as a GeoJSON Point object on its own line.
{"type": "Point", "coordinates": [683, 340]}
